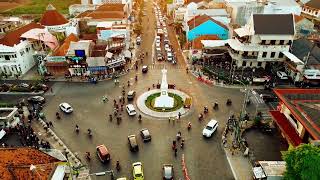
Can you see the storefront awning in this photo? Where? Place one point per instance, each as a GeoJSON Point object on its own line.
{"type": "Point", "coordinates": [97, 68]}
{"type": "Point", "coordinates": [292, 57]}
{"type": "Point", "coordinates": [286, 128]}
{"type": "Point", "coordinates": [242, 32]}
{"type": "Point", "coordinates": [213, 43]}
{"type": "Point", "coordinates": [109, 55]}
{"type": "Point", "coordinates": [127, 54]}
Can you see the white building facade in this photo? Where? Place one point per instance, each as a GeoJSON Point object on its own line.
{"type": "Point", "coordinates": [258, 44]}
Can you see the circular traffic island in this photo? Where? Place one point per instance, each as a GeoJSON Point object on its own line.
{"type": "Point", "coordinates": [146, 104]}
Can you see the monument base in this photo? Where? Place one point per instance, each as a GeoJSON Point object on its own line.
{"type": "Point", "coordinates": [164, 102]}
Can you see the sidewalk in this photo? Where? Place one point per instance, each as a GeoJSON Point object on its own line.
{"type": "Point", "coordinates": [239, 164]}
{"type": "Point", "coordinates": [56, 143]}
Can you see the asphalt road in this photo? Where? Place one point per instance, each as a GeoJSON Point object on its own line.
{"type": "Point", "coordinates": [205, 158]}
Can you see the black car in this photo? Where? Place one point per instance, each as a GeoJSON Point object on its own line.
{"type": "Point", "coordinates": [145, 134]}
{"type": "Point", "coordinates": [132, 140]}
{"type": "Point", "coordinates": [37, 100]}
{"type": "Point", "coordinates": [131, 95]}
{"type": "Point", "coordinates": [268, 98]}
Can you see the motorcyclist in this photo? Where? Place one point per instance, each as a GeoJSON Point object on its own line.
{"type": "Point", "coordinates": [182, 143]}
{"type": "Point", "coordinates": [216, 105]}
{"type": "Point", "coordinates": [178, 135]}
{"type": "Point", "coordinates": [139, 117]}
{"type": "Point", "coordinates": [77, 128]}
{"type": "Point", "coordinates": [128, 83]}
{"type": "Point", "coordinates": [205, 109]}
{"type": "Point", "coordinates": [200, 116]}
{"type": "Point", "coordinates": [110, 117]}
{"type": "Point", "coordinates": [88, 155]}
{"type": "Point", "coordinates": [89, 132]}
{"type": "Point", "coordinates": [118, 166]}
{"type": "Point", "coordinates": [57, 115]}
{"type": "Point", "coordinates": [136, 78]}
{"type": "Point", "coordinates": [189, 125]}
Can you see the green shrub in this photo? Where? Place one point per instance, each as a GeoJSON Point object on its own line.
{"type": "Point", "coordinates": [178, 103]}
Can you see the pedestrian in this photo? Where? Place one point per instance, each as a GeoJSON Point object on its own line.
{"type": "Point", "coordinates": [50, 124]}
{"type": "Point", "coordinates": [47, 123]}
{"type": "Point", "coordinates": [175, 151]}
{"type": "Point", "coordinates": [179, 115]}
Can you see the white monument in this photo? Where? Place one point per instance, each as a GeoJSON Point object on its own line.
{"type": "Point", "coordinates": [164, 101]}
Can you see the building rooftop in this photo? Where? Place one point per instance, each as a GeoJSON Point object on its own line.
{"type": "Point", "coordinates": [111, 7]}
{"type": "Point", "coordinates": [197, 41]}
{"type": "Point", "coordinates": [102, 14]}
{"type": "Point", "coordinates": [301, 48]}
{"type": "Point", "coordinates": [197, 20]}
{"type": "Point", "coordinates": [304, 105]}
{"type": "Point", "coordinates": [52, 17]}
{"type": "Point", "coordinates": [194, 1]}
{"type": "Point", "coordinates": [13, 37]}
{"type": "Point", "coordinates": [63, 49]}
{"type": "Point", "coordinates": [314, 4]}
{"type": "Point", "coordinates": [265, 24]}
{"type": "Point", "coordinates": [15, 164]}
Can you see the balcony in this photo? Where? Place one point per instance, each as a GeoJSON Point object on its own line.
{"type": "Point", "coordinates": [236, 45]}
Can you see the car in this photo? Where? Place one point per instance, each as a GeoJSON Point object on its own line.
{"type": "Point", "coordinates": [210, 128]}
{"type": "Point", "coordinates": [167, 47]}
{"type": "Point", "coordinates": [166, 41]}
{"type": "Point", "coordinates": [169, 56]}
{"type": "Point", "coordinates": [158, 49]}
{"type": "Point", "coordinates": [103, 153]}
{"type": "Point", "coordinates": [65, 107]}
{"type": "Point", "coordinates": [37, 100]}
{"type": "Point", "coordinates": [132, 140]}
{"type": "Point", "coordinates": [24, 85]}
{"type": "Point", "coordinates": [144, 69]}
{"type": "Point", "coordinates": [137, 171]}
{"type": "Point", "coordinates": [138, 40]}
{"type": "Point", "coordinates": [282, 75]}
{"type": "Point", "coordinates": [130, 109]}
{"type": "Point", "coordinates": [167, 172]}
{"type": "Point", "coordinates": [159, 57]}
{"type": "Point", "coordinates": [158, 45]}
{"type": "Point", "coordinates": [131, 95]}
{"type": "Point", "coordinates": [145, 134]}
{"type": "Point", "coordinates": [268, 97]}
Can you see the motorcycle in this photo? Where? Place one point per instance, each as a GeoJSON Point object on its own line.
{"type": "Point", "coordinates": [178, 136]}
{"type": "Point", "coordinates": [205, 110]}
{"type": "Point", "coordinates": [182, 144]}
{"type": "Point", "coordinates": [77, 129]}
{"type": "Point", "coordinates": [118, 166]}
{"type": "Point", "coordinates": [200, 117]}
{"type": "Point", "coordinates": [58, 115]}
{"type": "Point", "coordinates": [136, 78]}
{"type": "Point", "coordinates": [229, 102]}
{"type": "Point", "coordinates": [88, 156]}
{"type": "Point", "coordinates": [189, 126]}
{"type": "Point", "coordinates": [89, 133]}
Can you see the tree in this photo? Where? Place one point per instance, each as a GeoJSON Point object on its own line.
{"type": "Point", "coordinates": [302, 163]}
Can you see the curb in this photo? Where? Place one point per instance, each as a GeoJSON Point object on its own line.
{"type": "Point", "coordinates": [17, 93]}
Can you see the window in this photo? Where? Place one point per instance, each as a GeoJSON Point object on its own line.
{"type": "Point", "coordinates": [244, 63]}
{"type": "Point", "coordinates": [264, 54]}
{"type": "Point", "coordinates": [273, 42]}
{"type": "Point", "coordinates": [250, 64]}
{"type": "Point", "coordinates": [7, 57]}
{"type": "Point", "coordinates": [272, 54]}
{"type": "Point", "coordinates": [280, 55]}
{"type": "Point", "coordinates": [281, 42]}
{"type": "Point", "coordinates": [263, 42]}
{"type": "Point", "coordinates": [259, 64]}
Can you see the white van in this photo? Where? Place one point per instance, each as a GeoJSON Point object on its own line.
{"type": "Point", "coordinates": [130, 109]}
{"type": "Point", "coordinates": [282, 75]}
{"type": "Point", "coordinates": [169, 56]}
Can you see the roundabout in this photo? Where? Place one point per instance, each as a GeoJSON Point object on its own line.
{"type": "Point", "coordinates": [165, 113]}
{"type": "Point", "coordinates": [163, 103]}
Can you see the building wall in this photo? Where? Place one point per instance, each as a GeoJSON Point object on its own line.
{"type": "Point", "coordinates": [311, 12]}
{"type": "Point", "coordinates": [207, 28]}
{"type": "Point", "coordinates": [20, 59]}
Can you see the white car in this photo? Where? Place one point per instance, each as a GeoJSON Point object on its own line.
{"type": "Point", "coordinates": [210, 128]}
{"type": "Point", "coordinates": [282, 75]}
{"type": "Point", "coordinates": [130, 109]}
{"type": "Point", "coordinates": [65, 107]}
{"type": "Point", "coordinates": [167, 47]}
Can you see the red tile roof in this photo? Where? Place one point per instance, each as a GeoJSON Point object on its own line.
{"type": "Point", "coordinates": [304, 106]}
{"type": "Point", "coordinates": [52, 17]}
{"type": "Point", "coordinates": [198, 20]}
{"type": "Point", "coordinates": [102, 15]}
{"type": "Point", "coordinates": [62, 50]}
{"type": "Point", "coordinates": [13, 37]}
{"type": "Point", "coordinates": [297, 18]}
{"type": "Point", "coordinates": [197, 41]}
{"type": "Point", "coordinates": [286, 128]}
{"type": "Point", "coordinates": [15, 163]}
{"type": "Point", "coordinates": [190, 1]}
{"type": "Point", "coordinates": [111, 7]}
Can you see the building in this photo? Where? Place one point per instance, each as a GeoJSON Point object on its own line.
{"type": "Point", "coordinates": [303, 26]}
{"type": "Point", "coordinates": [8, 117]}
{"type": "Point", "coordinates": [30, 163]}
{"type": "Point", "coordinates": [297, 115]}
{"type": "Point", "coordinates": [16, 53]}
{"type": "Point", "coordinates": [303, 65]}
{"type": "Point", "coordinates": [241, 10]}
{"type": "Point", "coordinates": [53, 20]}
{"type": "Point", "coordinates": [259, 43]}
{"type": "Point", "coordinates": [56, 62]}
{"type": "Point", "coordinates": [114, 13]}
{"type": "Point", "coordinates": [311, 10]}
{"type": "Point", "coordinates": [204, 25]}
{"type": "Point", "coordinates": [220, 15]}
{"type": "Point", "coordinates": [6, 26]}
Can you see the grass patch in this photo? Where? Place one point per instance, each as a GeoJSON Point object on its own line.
{"type": "Point", "coordinates": [39, 6]}
{"type": "Point", "coordinates": [169, 1]}
{"type": "Point", "coordinates": [178, 103]}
